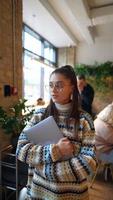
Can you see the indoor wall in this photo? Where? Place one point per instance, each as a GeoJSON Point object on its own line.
{"type": "Point", "coordinates": [101, 51]}
{"type": "Point", "coordinates": [10, 56]}
{"type": "Point", "coordinates": [10, 51]}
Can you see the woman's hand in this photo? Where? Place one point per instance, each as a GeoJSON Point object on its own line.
{"type": "Point", "coordinates": [65, 147]}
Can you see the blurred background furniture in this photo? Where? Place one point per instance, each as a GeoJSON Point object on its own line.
{"type": "Point", "coordinates": [105, 162]}
{"type": "Point", "coordinates": [13, 174]}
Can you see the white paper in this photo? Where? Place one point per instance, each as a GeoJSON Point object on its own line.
{"type": "Point", "coordinates": [44, 132]}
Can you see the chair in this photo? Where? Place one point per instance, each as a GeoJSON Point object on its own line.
{"type": "Point", "coordinates": [105, 161]}
{"type": "Point", "coordinates": [22, 194]}
{"type": "Point", "coordinates": [13, 174]}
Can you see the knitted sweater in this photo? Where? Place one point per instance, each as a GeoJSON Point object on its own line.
{"type": "Point", "coordinates": [51, 177]}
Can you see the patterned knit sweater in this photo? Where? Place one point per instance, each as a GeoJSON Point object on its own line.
{"type": "Point", "coordinates": [51, 177]}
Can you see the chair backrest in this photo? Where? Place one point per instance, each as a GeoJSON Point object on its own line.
{"type": "Point", "coordinates": [104, 136]}
{"type": "Point", "coordinates": [22, 194]}
{"type": "Point", "coordinates": [14, 172]}
{"type": "Point", "coordinates": [106, 157]}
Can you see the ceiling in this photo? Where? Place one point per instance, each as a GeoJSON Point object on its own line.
{"type": "Point", "coordinates": [70, 22]}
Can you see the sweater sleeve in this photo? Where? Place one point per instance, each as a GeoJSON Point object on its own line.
{"type": "Point", "coordinates": [33, 154]}
{"type": "Point", "coordinates": [81, 165]}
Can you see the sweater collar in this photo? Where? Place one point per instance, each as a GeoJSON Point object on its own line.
{"type": "Point", "coordinates": [64, 107]}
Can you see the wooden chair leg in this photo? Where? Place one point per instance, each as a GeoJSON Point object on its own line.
{"type": "Point", "coordinates": [111, 169]}
{"type": "Point", "coordinates": [93, 179]}
{"type": "Point", "coordinates": [106, 172]}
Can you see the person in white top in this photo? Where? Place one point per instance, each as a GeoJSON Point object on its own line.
{"type": "Point", "coordinates": [104, 130]}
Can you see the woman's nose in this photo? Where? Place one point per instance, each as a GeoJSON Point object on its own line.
{"type": "Point", "coordinates": [54, 88]}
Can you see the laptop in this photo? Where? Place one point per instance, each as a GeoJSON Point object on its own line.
{"type": "Point", "coordinates": [45, 132]}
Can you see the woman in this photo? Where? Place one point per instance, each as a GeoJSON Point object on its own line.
{"type": "Point", "coordinates": [59, 171]}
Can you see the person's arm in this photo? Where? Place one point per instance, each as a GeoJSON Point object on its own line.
{"type": "Point", "coordinates": [37, 154]}
{"type": "Point", "coordinates": [80, 166]}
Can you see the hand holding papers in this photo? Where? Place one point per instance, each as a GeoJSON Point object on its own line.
{"type": "Point", "coordinates": [44, 132]}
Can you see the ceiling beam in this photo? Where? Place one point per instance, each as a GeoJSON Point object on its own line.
{"type": "Point", "coordinates": [102, 15]}
{"type": "Point", "coordinates": [58, 19]}
{"type": "Point", "coordinates": [80, 10]}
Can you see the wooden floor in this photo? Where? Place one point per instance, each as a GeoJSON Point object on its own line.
{"type": "Point", "coordinates": [101, 189]}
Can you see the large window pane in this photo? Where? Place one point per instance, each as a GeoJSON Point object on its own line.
{"type": "Point", "coordinates": [39, 62]}
{"type": "Point", "coordinates": [32, 44]}
{"type": "Point", "coordinates": [52, 55]}
{"type": "Point", "coordinates": [36, 77]}
{"type": "Point", "coordinates": [49, 52]}
{"type": "Point", "coordinates": [32, 75]}
{"type": "Point", "coordinates": [47, 72]}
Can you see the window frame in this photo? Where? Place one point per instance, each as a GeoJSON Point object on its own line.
{"type": "Point", "coordinates": [52, 63]}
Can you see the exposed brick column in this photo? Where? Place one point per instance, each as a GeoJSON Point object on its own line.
{"type": "Point", "coordinates": [10, 49]}
{"type": "Point", "coordinates": [10, 54]}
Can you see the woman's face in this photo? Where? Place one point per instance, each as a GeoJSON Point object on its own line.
{"type": "Point", "coordinates": [60, 88]}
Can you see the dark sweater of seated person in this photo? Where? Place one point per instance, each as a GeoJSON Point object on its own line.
{"type": "Point", "coordinates": [86, 92]}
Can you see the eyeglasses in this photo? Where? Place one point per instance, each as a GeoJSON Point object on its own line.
{"type": "Point", "coordinates": [59, 86]}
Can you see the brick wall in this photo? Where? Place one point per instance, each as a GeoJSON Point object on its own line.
{"type": "Point", "coordinates": [10, 49]}
{"type": "Point", "coordinates": [10, 53]}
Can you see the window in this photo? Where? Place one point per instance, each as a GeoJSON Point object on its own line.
{"type": "Point", "coordinates": [32, 44]}
{"type": "Point", "coordinates": [39, 62]}
{"type": "Point", "coordinates": [32, 72]}
{"type": "Point", "coordinates": [49, 52]}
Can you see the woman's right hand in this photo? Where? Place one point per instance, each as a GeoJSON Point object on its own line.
{"type": "Point", "coordinates": [65, 147]}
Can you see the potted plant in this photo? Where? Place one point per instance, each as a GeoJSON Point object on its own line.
{"type": "Point", "coordinates": [15, 119]}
